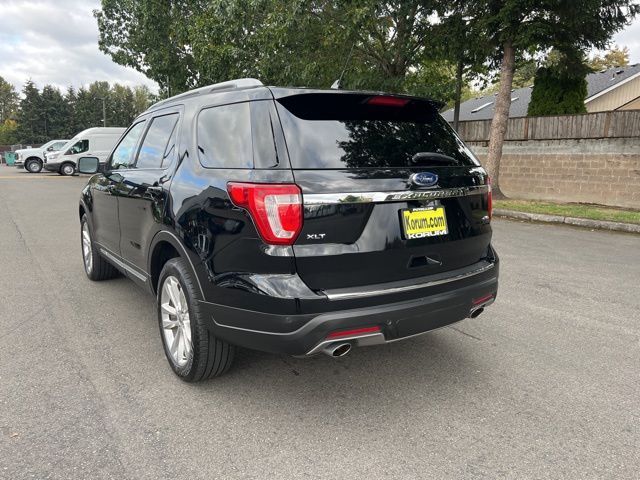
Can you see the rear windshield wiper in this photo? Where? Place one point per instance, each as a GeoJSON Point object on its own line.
{"type": "Point", "coordinates": [437, 158]}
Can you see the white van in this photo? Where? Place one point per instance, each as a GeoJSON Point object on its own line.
{"type": "Point", "coordinates": [92, 142]}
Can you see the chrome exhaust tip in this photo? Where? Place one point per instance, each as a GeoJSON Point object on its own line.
{"type": "Point", "coordinates": [476, 312]}
{"type": "Point", "coordinates": [337, 349]}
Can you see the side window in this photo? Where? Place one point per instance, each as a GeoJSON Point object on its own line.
{"type": "Point", "coordinates": [80, 146]}
{"type": "Point", "coordinates": [123, 154]}
{"type": "Point", "coordinates": [57, 146]}
{"type": "Point", "coordinates": [224, 137]}
{"type": "Point", "coordinates": [159, 142]}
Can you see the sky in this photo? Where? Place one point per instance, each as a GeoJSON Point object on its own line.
{"type": "Point", "coordinates": [56, 42]}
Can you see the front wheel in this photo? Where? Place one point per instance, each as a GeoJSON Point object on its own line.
{"type": "Point", "coordinates": [96, 267]}
{"type": "Point", "coordinates": [34, 166]}
{"type": "Point", "coordinates": [193, 352]}
{"type": "Point", "coordinates": [67, 169]}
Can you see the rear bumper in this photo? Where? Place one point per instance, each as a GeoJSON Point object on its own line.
{"type": "Point", "coordinates": [396, 320]}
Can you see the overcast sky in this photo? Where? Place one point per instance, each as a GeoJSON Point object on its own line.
{"type": "Point", "coordinates": [56, 42]}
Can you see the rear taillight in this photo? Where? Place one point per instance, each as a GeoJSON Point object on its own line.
{"type": "Point", "coordinates": [276, 209]}
{"type": "Point", "coordinates": [489, 198]}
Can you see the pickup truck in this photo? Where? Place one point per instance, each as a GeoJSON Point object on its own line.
{"type": "Point", "coordinates": [32, 159]}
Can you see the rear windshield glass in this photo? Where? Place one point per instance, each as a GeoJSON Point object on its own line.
{"type": "Point", "coordinates": [340, 131]}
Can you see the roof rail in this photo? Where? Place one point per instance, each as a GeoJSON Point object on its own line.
{"type": "Point", "coordinates": [216, 87]}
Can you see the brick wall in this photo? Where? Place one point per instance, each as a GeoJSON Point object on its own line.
{"type": "Point", "coordinates": [603, 171]}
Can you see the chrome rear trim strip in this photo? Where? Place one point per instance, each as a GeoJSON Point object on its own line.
{"type": "Point", "coordinates": [121, 264]}
{"type": "Point", "coordinates": [381, 197]}
{"type": "Point", "coordinates": [344, 295]}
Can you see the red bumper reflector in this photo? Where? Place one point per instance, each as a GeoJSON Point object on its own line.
{"type": "Point", "coordinates": [478, 301]}
{"type": "Point", "coordinates": [353, 333]}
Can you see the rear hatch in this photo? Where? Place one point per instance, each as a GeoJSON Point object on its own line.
{"type": "Point", "coordinates": [390, 192]}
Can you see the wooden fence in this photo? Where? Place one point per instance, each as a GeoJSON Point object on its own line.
{"type": "Point", "coordinates": [617, 124]}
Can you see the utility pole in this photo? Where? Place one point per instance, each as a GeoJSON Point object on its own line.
{"type": "Point", "coordinates": [104, 111]}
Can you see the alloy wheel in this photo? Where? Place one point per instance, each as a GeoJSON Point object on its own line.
{"type": "Point", "coordinates": [86, 248]}
{"type": "Point", "coordinates": [176, 325]}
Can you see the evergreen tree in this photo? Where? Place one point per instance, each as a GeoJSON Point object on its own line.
{"type": "Point", "coordinates": [30, 126]}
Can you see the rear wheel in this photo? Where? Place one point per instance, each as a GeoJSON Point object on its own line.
{"type": "Point", "coordinates": [33, 166]}
{"type": "Point", "coordinates": [96, 267]}
{"type": "Point", "coordinates": [193, 352]}
{"type": "Point", "coordinates": [67, 169]}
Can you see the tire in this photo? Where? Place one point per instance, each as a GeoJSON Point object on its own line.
{"type": "Point", "coordinates": [96, 267]}
{"type": "Point", "coordinates": [67, 169]}
{"type": "Point", "coordinates": [197, 354]}
{"type": "Point", "coordinates": [33, 166]}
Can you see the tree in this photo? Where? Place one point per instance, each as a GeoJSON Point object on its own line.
{"type": "Point", "coordinates": [288, 42]}
{"type": "Point", "coordinates": [52, 113]}
{"type": "Point", "coordinates": [560, 86]}
{"type": "Point", "coordinates": [8, 132]}
{"type": "Point", "coordinates": [517, 26]}
{"type": "Point", "coordinates": [30, 128]}
{"type": "Point", "coordinates": [8, 100]}
{"type": "Point", "coordinates": [615, 57]}
{"type": "Point", "coordinates": [463, 45]}
{"type": "Point", "coordinates": [152, 37]}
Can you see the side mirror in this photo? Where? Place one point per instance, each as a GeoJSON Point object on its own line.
{"type": "Point", "coordinates": [88, 165]}
{"type": "Point", "coordinates": [50, 149]}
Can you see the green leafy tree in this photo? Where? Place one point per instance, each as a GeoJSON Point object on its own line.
{"type": "Point", "coordinates": [615, 57]}
{"type": "Point", "coordinates": [180, 44]}
{"type": "Point", "coordinates": [9, 100]}
{"type": "Point", "coordinates": [514, 27]}
{"type": "Point", "coordinates": [463, 44]}
{"type": "Point", "coordinates": [8, 130]}
{"type": "Point", "coordinates": [152, 37]}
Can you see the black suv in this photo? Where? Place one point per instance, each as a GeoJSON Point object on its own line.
{"type": "Point", "coordinates": [291, 221]}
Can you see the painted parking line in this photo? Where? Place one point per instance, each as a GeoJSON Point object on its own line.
{"type": "Point", "coordinates": [29, 177]}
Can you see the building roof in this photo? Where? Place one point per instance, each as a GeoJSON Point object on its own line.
{"type": "Point", "coordinates": [482, 108]}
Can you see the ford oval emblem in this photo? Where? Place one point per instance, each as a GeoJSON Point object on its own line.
{"type": "Point", "coordinates": [424, 179]}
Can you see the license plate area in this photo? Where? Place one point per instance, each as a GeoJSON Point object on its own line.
{"type": "Point", "coordinates": [423, 222]}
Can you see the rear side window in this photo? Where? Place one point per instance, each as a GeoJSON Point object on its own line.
{"type": "Point", "coordinates": [337, 131]}
{"type": "Point", "coordinates": [224, 136]}
{"type": "Point", "coordinates": [159, 142]}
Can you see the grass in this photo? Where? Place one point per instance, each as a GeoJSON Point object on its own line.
{"type": "Point", "coordinates": [579, 210]}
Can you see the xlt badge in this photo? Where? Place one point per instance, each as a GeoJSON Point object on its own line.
{"type": "Point", "coordinates": [315, 236]}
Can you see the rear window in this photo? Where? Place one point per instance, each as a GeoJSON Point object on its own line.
{"type": "Point", "coordinates": [337, 131]}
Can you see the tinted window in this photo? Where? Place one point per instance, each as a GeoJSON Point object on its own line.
{"type": "Point", "coordinates": [158, 144]}
{"type": "Point", "coordinates": [123, 154]}
{"type": "Point", "coordinates": [224, 137]}
{"type": "Point", "coordinates": [345, 131]}
{"type": "Point", "coordinates": [80, 146]}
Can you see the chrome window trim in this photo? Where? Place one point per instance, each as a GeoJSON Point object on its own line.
{"type": "Point", "coordinates": [338, 295]}
{"type": "Point", "coordinates": [400, 196]}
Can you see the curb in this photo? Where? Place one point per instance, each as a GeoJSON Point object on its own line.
{"type": "Point", "coordinates": [577, 222]}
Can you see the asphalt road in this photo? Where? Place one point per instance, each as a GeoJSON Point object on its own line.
{"type": "Point", "coordinates": [544, 384]}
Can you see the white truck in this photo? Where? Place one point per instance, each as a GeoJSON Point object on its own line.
{"type": "Point", "coordinates": [92, 142]}
{"type": "Point", "coordinates": [32, 159]}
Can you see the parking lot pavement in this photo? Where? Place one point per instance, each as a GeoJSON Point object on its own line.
{"type": "Point", "coordinates": [544, 384]}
